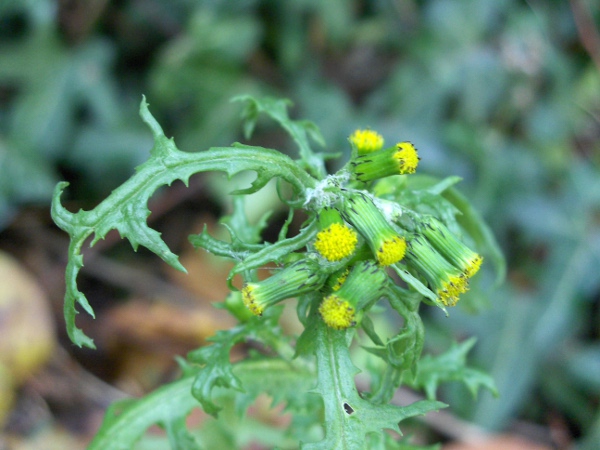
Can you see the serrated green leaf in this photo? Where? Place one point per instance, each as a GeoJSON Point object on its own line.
{"type": "Point", "coordinates": [402, 351]}
{"type": "Point", "coordinates": [451, 366]}
{"type": "Point", "coordinates": [349, 417]}
{"type": "Point", "coordinates": [299, 130]}
{"type": "Point", "coordinates": [126, 421]}
{"type": "Point", "coordinates": [243, 232]}
{"type": "Point", "coordinates": [179, 436]}
{"type": "Point", "coordinates": [125, 209]}
{"type": "Point", "coordinates": [284, 381]}
{"type": "Point", "coordinates": [217, 369]}
{"type": "Point", "coordinates": [221, 248]}
{"type": "Point", "coordinates": [278, 251]}
{"type": "Point", "coordinates": [244, 236]}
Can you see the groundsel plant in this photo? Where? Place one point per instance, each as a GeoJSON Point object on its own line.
{"type": "Point", "coordinates": [379, 240]}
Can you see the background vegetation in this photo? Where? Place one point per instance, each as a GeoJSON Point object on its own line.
{"type": "Point", "coordinates": [504, 93]}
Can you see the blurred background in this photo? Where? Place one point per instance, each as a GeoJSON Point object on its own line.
{"type": "Point", "coordinates": [504, 93]}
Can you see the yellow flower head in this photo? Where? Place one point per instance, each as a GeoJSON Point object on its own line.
{"type": "Point", "coordinates": [363, 286]}
{"type": "Point", "coordinates": [250, 301]}
{"type": "Point", "coordinates": [450, 289]}
{"type": "Point", "coordinates": [337, 313]}
{"type": "Point", "coordinates": [366, 141]}
{"type": "Point", "coordinates": [336, 242]}
{"type": "Point", "coordinates": [407, 157]}
{"type": "Point", "coordinates": [391, 251]}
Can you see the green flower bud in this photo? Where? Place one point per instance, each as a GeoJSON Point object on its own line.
{"type": "Point", "coordinates": [364, 284]}
{"type": "Point", "coordinates": [398, 160]}
{"type": "Point", "coordinates": [299, 278]}
{"type": "Point", "coordinates": [385, 242]}
{"type": "Point", "coordinates": [447, 281]}
{"type": "Point", "coordinates": [450, 247]}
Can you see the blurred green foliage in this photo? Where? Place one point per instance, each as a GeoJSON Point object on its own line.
{"type": "Point", "coordinates": [500, 92]}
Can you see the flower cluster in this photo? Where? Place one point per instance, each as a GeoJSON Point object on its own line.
{"type": "Point", "coordinates": [359, 235]}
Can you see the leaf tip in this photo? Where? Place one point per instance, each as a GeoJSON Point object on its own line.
{"type": "Point", "coordinates": [149, 119]}
{"type": "Point", "coordinates": [60, 215]}
{"type": "Point", "coordinates": [80, 339]}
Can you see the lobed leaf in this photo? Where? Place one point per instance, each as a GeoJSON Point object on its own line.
{"type": "Point", "coordinates": [349, 417]}
{"type": "Point", "coordinates": [284, 381]}
{"type": "Point", "coordinates": [125, 209]}
{"type": "Point", "coordinates": [278, 251]}
{"type": "Point", "coordinates": [127, 420]}
{"type": "Point", "coordinates": [242, 232]}
{"type": "Point", "coordinates": [299, 130]}
{"type": "Point", "coordinates": [224, 249]}
{"type": "Point", "coordinates": [451, 366]}
{"type": "Point", "coordinates": [401, 352]}
{"type": "Point", "coordinates": [217, 370]}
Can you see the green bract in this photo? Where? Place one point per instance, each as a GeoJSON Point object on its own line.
{"type": "Point", "coordinates": [336, 266]}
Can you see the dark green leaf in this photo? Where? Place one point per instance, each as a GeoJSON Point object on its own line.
{"type": "Point", "coordinates": [451, 366]}
{"type": "Point", "coordinates": [126, 421]}
{"type": "Point", "coordinates": [125, 209]}
{"type": "Point", "coordinates": [349, 417]}
{"type": "Point", "coordinates": [298, 130]}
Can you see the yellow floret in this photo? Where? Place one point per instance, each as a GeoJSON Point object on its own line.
{"type": "Point", "coordinates": [249, 300]}
{"type": "Point", "coordinates": [340, 280]}
{"type": "Point", "coordinates": [336, 312]}
{"type": "Point", "coordinates": [391, 251]}
{"type": "Point", "coordinates": [447, 299]}
{"type": "Point", "coordinates": [452, 288]}
{"type": "Point", "coordinates": [473, 266]}
{"type": "Point", "coordinates": [336, 242]}
{"type": "Point", "coordinates": [407, 157]}
{"type": "Point", "coordinates": [366, 141]}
